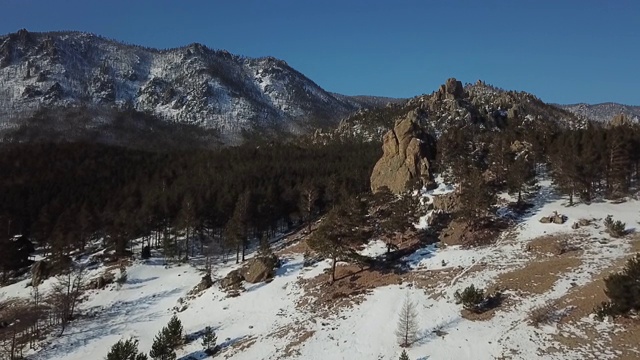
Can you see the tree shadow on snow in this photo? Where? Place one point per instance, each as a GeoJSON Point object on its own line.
{"type": "Point", "coordinates": [141, 281]}
{"type": "Point", "coordinates": [99, 322]}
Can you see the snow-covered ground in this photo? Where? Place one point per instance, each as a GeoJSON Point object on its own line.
{"type": "Point", "coordinates": [267, 322]}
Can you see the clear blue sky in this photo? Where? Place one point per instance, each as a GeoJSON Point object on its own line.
{"type": "Point", "coordinates": [562, 51]}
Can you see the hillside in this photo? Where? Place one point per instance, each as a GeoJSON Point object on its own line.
{"type": "Point", "coordinates": [546, 312]}
{"type": "Point", "coordinates": [212, 89]}
{"type": "Point", "coordinates": [603, 112]}
{"type": "Point", "coordinates": [453, 104]}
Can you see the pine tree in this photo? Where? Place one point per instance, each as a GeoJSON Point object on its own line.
{"type": "Point", "coordinates": [404, 355]}
{"type": "Point", "coordinates": [174, 332]}
{"type": "Point", "coordinates": [209, 340]}
{"type": "Point", "coordinates": [407, 331]}
{"type": "Point", "coordinates": [476, 195]}
{"type": "Point", "coordinates": [161, 348]}
{"type": "Point", "coordinates": [342, 227]}
{"type": "Point", "coordinates": [125, 350]}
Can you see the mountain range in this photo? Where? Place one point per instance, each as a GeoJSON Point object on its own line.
{"type": "Point", "coordinates": [196, 85]}
{"type": "Point", "coordinates": [76, 86]}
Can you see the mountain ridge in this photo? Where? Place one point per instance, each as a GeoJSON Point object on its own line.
{"type": "Point", "coordinates": [603, 112]}
{"type": "Point", "coordinates": [192, 84]}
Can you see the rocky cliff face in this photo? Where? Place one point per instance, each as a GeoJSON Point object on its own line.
{"type": "Point", "coordinates": [190, 85]}
{"type": "Point", "coordinates": [453, 104]}
{"type": "Point", "coordinates": [407, 152]}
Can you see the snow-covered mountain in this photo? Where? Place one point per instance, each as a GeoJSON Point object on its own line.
{"type": "Point", "coordinates": [192, 84]}
{"type": "Point", "coordinates": [603, 112]}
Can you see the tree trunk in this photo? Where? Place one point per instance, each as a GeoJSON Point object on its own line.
{"type": "Point", "coordinates": [333, 269]}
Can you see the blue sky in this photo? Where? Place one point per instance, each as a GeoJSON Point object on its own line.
{"type": "Point", "coordinates": [563, 51]}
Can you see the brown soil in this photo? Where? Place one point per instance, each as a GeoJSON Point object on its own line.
{"type": "Point", "coordinates": [291, 349]}
{"type": "Point", "coordinates": [554, 244]}
{"type": "Point", "coordinates": [580, 303]}
{"type": "Point", "coordinates": [582, 300]}
{"type": "Point", "coordinates": [238, 347]}
{"type": "Point", "coordinates": [476, 233]}
{"type": "Point", "coordinates": [351, 284]}
{"type": "Point", "coordinates": [627, 341]}
{"type": "Point", "coordinates": [537, 277]}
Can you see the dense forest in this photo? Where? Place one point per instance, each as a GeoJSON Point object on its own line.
{"type": "Point", "coordinates": [64, 195]}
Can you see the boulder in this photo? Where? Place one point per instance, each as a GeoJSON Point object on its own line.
{"type": "Point", "coordinates": [559, 219]}
{"type": "Point", "coordinates": [203, 285]}
{"type": "Point", "coordinates": [545, 220]}
{"type": "Point", "coordinates": [40, 271]}
{"type": "Point", "coordinates": [232, 280]}
{"type": "Point", "coordinates": [446, 202]}
{"type": "Point", "coordinates": [454, 88]}
{"type": "Point", "coordinates": [260, 269]}
{"type": "Point", "coordinates": [554, 218]}
{"type": "Point", "coordinates": [407, 152]}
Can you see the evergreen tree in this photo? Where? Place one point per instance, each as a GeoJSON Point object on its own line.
{"type": "Point", "coordinates": [125, 350]}
{"type": "Point", "coordinates": [174, 332]}
{"type": "Point", "coordinates": [342, 227]}
{"type": "Point", "coordinates": [404, 355]}
{"type": "Point", "coordinates": [476, 195]}
{"type": "Point", "coordinates": [209, 340]}
{"type": "Point", "coordinates": [161, 348]}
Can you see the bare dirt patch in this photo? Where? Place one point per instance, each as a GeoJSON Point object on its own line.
{"type": "Point", "coordinates": [351, 284]}
{"type": "Point", "coordinates": [238, 346]}
{"type": "Point", "coordinates": [537, 277]}
{"type": "Point", "coordinates": [291, 349]}
{"type": "Point", "coordinates": [554, 245]}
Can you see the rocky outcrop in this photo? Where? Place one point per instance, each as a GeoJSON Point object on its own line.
{"type": "Point", "coordinates": [203, 285]}
{"type": "Point", "coordinates": [446, 202]}
{"type": "Point", "coordinates": [407, 152]}
{"type": "Point", "coordinates": [39, 272]}
{"type": "Point", "coordinates": [232, 280]}
{"type": "Point", "coordinates": [260, 269]}
{"type": "Point", "coordinates": [554, 218]}
{"type": "Point", "coordinates": [451, 90]}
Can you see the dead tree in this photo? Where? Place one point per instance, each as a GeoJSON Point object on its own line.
{"type": "Point", "coordinates": [407, 331]}
{"type": "Point", "coordinates": [65, 295]}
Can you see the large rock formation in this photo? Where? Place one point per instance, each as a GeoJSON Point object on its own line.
{"type": "Point", "coordinates": [407, 152]}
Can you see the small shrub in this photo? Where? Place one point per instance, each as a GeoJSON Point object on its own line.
{"type": "Point", "coordinates": [615, 228]}
{"type": "Point", "coordinates": [623, 290]}
{"type": "Point", "coordinates": [604, 310]}
{"type": "Point", "coordinates": [542, 315]}
{"type": "Point", "coordinates": [475, 300]}
{"type": "Point", "coordinates": [470, 298]}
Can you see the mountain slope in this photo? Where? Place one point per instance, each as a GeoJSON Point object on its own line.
{"type": "Point", "coordinates": [603, 112]}
{"type": "Point", "coordinates": [193, 84]}
{"type": "Point", "coordinates": [479, 105]}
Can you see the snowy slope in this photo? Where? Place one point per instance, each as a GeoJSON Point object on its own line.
{"type": "Point", "coordinates": [269, 322]}
{"type": "Point", "coordinates": [191, 84]}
